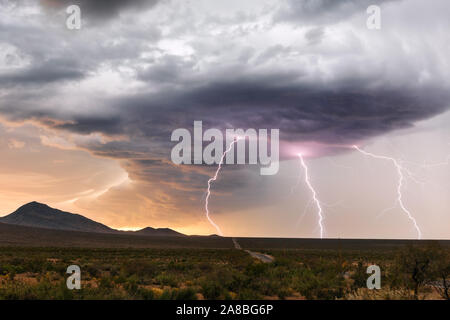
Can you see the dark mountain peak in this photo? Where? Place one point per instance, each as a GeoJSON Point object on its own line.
{"type": "Point", "coordinates": [149, 231]}
{"type": "Point", "coordinates": [33, 205]}
{"type": "Point", "coordinates": [33, 208]}
{"type": "Point", "coordinates": [35, 214]}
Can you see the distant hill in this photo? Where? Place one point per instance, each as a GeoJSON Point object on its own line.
{"type": "Point", "coordinates": [39, 215]}
{"type": "Point", "coordinates": [35, 214]}
{"type": "Point", "coordinates": [157, 232]}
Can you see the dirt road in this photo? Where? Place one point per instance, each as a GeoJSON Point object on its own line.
{"type": "Point", "coordinates": [257, 255]}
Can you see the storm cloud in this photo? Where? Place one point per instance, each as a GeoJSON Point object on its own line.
{"type": "Point", "coordinates": [320, 12]}
{"type": "Point", "coordinates": [100, 9]}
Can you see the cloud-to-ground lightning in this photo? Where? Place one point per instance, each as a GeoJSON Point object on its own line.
{"type": "Point", "coordinates": [401, 179]}
{"type": "Point", "coordinates": [314, 194]}
{"type": "Point", "coordinates": [214, 178]}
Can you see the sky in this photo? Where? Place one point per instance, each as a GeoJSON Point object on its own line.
{"type": "Point", "coordinates": [86, 115]}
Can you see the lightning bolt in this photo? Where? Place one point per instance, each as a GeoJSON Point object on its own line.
{"type": "Point", "coordinates": [214, 178]}
{"type": "Point", "coordinates": [401, 179]}
{"type": "Point", "coordinates": [314, 194]}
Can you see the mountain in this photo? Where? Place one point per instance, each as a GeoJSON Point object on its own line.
{"type": "Point", "coordinates": [149, 231]}
{"type": "Point", "coordinates": [39, 215]}
{"type": "Point", "coordinates": [35, 214]}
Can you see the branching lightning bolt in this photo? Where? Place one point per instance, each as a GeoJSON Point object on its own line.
{"type": "Point", "coordinates": [214, 178]}
{"type": "Point", "coordinates": [314, 193]}
{"type": "Point", "coordinates": [401, 179]}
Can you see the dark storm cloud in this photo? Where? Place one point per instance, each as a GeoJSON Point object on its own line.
{"type": "Point", "coordinates": [168, 70]}
{"type": "Point", "coordinates": [100, 9]}
{"type": "Point", "coordinates": [117, 149]}
{"type": "Point", "coordinates": [165, 173]}
{"type": "Point", "coordinates": [302, 112]}
{"type": "Point", "coordinates": [299, 111]}
{"type": "Point", "coordinates": [57, 70]}
{"type": "Point", "coordinates": [320, 12]}
{"type": "Point", "coordinates": [86, 125]}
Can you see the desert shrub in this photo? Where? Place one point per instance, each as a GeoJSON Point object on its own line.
{"type": "Point", "coordinates": [166, 295]}
{"type": "Point", "coordinates": [414, 266]}
{"type": "Point", "coordinates": [282, 292]}
{"type": "Point", "coordinates": [139, 268]}
{"type": "Point", "coordinates": [16, 291]}
{"type": "Point", "coordinates": [211, 289]}
{"type": "Point", "coordinates": [205, 267]}
{"type": "Point", "coordinates": [323, 285]}
{"type": "Point", "coordinates": [440, 273]}
{"type": "Point", "coordinates": [178, 266]}
{"type": "Point", "coordinates": [256, 269]}
{"type": "Point", "coordinates": [186, 294]}
{"type": "Point", "coordinates": [145, 294]}
{"type": "Point", "coordinates": [131, 286]}
{"type": "Point", "coordinates": [359, 277]}
{"type": "Point", "coordinates": [167, 279]}
{"type": "Point", "coordinates": [247, 294]}
{"type": "Point", "coordinates": [120, 279]}
{"type": "Point", "coordinates": [106, 283]}
{"type": "Point", "coordinates": [92, 271]}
